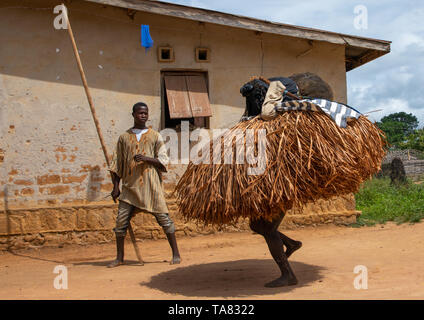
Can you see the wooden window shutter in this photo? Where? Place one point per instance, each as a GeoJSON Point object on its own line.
{"type": "Point", "coordinates": [187, 96]}
{"type": "Point", "coordinates": [198, 95]}
{"type": "Point", "coordinates": [178, 98]}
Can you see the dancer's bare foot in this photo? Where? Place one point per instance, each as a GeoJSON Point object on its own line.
{"type": "Point", "coordinates": [282, 281]}
{"type": "Point", "coordinates": [292, 248]}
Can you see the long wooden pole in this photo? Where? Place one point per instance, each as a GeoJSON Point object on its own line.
{"type": "Point", "coordinates": [96, 121]}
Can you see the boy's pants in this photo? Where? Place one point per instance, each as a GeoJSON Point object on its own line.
{"type": "Point", "coordinates": [124, 216]}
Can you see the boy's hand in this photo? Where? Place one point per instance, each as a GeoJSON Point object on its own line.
{"type": "Point", "coordinates": [151, 161]}
{"type": "Point", "coordinates": [140, 157]}
{"type": "Point", "coordinates": [115, 193]}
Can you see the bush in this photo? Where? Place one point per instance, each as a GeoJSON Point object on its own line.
{"type": "Point", "coordinates": [381, 202]}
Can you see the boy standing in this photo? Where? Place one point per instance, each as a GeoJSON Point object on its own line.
{"type": "Point", "coordinates": [139, 159]}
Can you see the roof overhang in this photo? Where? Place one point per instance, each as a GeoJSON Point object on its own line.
{"type": "Point", "coordinates": [359, 50]}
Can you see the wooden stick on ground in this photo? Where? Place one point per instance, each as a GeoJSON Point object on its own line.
{"type": "Point", "coordinates": [96, 121]}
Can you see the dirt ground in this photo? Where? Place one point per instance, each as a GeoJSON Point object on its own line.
{"type": "Point", "coordinates": [229, 266]}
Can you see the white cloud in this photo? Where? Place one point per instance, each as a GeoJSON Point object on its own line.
{"type": "Point", "coordinates": [406, 39]}
{"type": "Point", "coordinates": [393, 105]}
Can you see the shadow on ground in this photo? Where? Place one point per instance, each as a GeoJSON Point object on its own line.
{"type": "Point", "coordinates": [104, 263]}
{"type": "Point", "coordinates": [34, 258]}
{"type": "Point", "coordinates": [239, 278]}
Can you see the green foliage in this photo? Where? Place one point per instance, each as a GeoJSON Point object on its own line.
{"type": "Point", "coordinates": [380, 202]}
{"type": "Point", "coordinates": [414, 141]}
{"type": "Point", "coordinates": [397, 126]}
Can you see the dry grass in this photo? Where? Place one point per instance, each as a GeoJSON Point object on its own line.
{"type": "Point", "coordinates": [308, 158]}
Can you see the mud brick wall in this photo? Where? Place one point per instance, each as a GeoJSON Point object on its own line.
{"type": "Point", "coordinates": [404, 155]}
{"type": "Point", "coordinates": [93, 223]}
{"type": "Point", "coordinates": [414, 169]}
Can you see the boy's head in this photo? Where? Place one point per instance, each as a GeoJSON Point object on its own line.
{"type": "Point", "coordinates": [140, 113]}
{"type": "Point", "coordinates": [139, 105]}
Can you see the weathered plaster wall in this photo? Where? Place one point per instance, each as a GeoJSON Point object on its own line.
{"type": "Point", "coordinates": [49, 150]}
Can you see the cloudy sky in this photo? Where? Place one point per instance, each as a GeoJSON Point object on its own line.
{"type": "Point", "coordinates": [394, 82]}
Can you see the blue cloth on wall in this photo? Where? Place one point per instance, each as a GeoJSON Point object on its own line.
{"type": "Point", "coordinates": [146, 39]}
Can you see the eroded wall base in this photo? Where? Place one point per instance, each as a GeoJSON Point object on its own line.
{"type": "Point", "coordinates": [93, 223]}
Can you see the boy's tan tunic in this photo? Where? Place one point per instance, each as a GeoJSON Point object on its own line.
{"type": "Point", "coordinates": [141, 182]}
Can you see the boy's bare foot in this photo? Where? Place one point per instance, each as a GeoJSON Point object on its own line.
{"type": "Point", "coordinates": [115, 263]}
{"type": "Point", "coordinates": [175, 260]}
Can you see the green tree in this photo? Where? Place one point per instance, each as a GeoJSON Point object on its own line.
{"type": "Point", "coordinates": [414, 141]}
{"type": "Point", "coordinates": [398, 126]}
